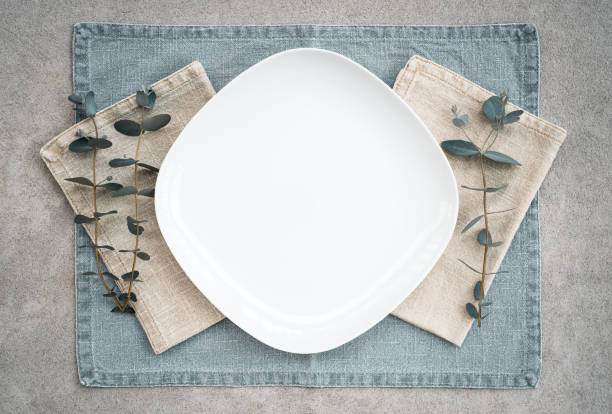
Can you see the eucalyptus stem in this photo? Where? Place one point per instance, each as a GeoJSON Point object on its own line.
{"type": "Point", "coordinates": [135, 252]}
{"type": "Point", "coordinates": [486, 247]}
{"type": "Point", "coordinates": [96, 219]}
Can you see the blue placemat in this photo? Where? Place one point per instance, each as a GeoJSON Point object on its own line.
{"type": "Point", "coordinates": [112, 350]}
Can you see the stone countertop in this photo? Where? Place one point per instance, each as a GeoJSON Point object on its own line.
{"type": "Point", "coordinates": [37, 345]}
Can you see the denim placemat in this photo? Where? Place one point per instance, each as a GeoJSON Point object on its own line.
{"type": "Point", "coordinates": [112, 350]}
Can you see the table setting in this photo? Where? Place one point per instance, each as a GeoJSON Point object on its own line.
{"type": "Point", "coordinates": [307, 205]}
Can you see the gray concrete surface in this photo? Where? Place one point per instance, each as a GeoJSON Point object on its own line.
{"type": "Point", "coordinates": [37, 344]}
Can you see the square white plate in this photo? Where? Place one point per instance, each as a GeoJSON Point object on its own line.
{"type": "Point", "coordinates": [306, 200]}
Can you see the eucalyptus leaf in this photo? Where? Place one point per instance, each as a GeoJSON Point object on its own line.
{"type": "Point", "coordinates": [129, 309]}
{"type": "Point", "coordinates": [147, 166]}
{"type": "Point", "coordinates": [471, 223]}
{"type": "Point", "coordinates": [149, 192]}
{"type": "Point", "coordinates": [131, 219]}
{"type": "Point", "coordinates": [100, 143]}
{"type": "Point", "coordinates": [128, 275]}
{"type": "Point", "coordinates": [483, 239]}
{"type": "Point", "coordinates": [80, 145]}
{"type": "Point", "coordinates": [103, 246]}
{"type": "Point", "coordinates": [109, 294]}
{"type": "Point", "coordinates": [471, 310]}
{"type": "Point", "coordinates": [488, 189]}
{"type": "Point", "coordinates": [109, 274]}
{"type": "Point", "coordinates": [121, 162]}
{"type": "Point", "coordinates": [460, 121]}
{"type": "Point", "coordinates": [129, 251]}
{"type": "Point", "coordinates": [81, 219]}
{"type": "Point", "coordinates": [97, 214]}
{"type": "Point", "coordinates": [88, 273]}
{"type": "Point", "coordinates": [486, 304]}
{"type": "Point", "coordinates": [499, 157]}
{"type": "Point", "coordinates": [477, 290]}
{"type": "Point", "coordinates": [111, 186]}
{"type": "Point", "coordinates": [135, 229]}
{"type": "Point", "coordinates": [512, 117]}
{"type": "Point", "coordinates": [128, 127]}
{"type": "Point", "coordinates": [146, 99]}
{"type": "Point", "coordinates": [156, 122]}
{"type": "Point", "coordinates": [460, 147]}
{"type": "Point", "coordinates": [124, 296]}
{"type": "Point", "coordinates": [143, 256]}
{"type": "Point", "coordinates": [90, 104]}
{"type": "Point", "coordinates": [80, 180]}
{"type": "Point", "coordinates": [75, 99]}
{"type": "Point", "coordinates": [493, 108]}
{"type": "Point", "coordinates": [125, 191]}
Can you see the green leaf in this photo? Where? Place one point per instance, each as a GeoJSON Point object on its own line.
{"type": "Point", "coordinates": [499, 157]}
{"type": "Point", "coordinates": [493, 108]}
{"type": "Point", "coordinates": [90, 104]}
{"type": "Point", "coordinates": [129, 309]}
{"type": "Point", "coordinates": [143, 255]}
{"type": "Point", "coordinates": [149, 192]}
{"type": "Point", "coordinates": [128, 275]}
{"type": "Point", "coordinates": [109, 274]}
{"type": "Point", "coordinates": [471, 223]}
{"type": "Point", "coordinates": [121, 162]}
{"type": "Point", "coordinates": [512, 117]}
{"type": "Point", "coordinates": [471, 310]}
{"type": "Point", "coordinates": [147, 166]}
{"type": "Point", "coordinates": [129, 251]}
{"type": "Point", "coordinates": [80, 145]}
{"type": "Point", "coordinates": [128, 127]}
{"type": "Point", "coordinates": [124, 296]}
{"type": "Point", "coordinates": [75, 99]}
{"type": "Point", "coordinates": [131, 219]}
{"type": "Point", "coordinates": [109, 295]}
{"type": "Point", "coordinates": [104, 246]}
{"type": "Point", "coordinates": [482, 240]}
{"type": "Point", "coordinates": [100, 143]}
{"type": "Point", "coordinates": [111, 186]}
{"type": "Point", "coordinates": [146, 99]}
{"type": "Point", "coordinates": [460, 147]}
{"type": "Point", "coordinates": [135, 229]}
{"type": "Point", "coordinates": [81, 219]}
{"type": "Point", "coordinates": [88, 273]}
{"type": "Point", "coordinates": [488, 189]}
{"type": "Point", "coordinates": [125, 191]}
{"type": "Point", "coordinates": [156, 122]}
{"type": "Point", "coordinates": [460, 121]}
{"type": "Point", "coordinates": [97, 214]}
{"type": "Point", "coordinates": [477, 290]}
{"type": "Point", "coordinates": [80, 180]}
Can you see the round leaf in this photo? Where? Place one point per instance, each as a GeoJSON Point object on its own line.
{"type": "Point", "coordinates": [156, 122]}
{"type": "Point", "coordinates": [81, 219]}
{"type": "Point", "coordinates": [493, 108]}
{"type": "Point", "coordinates": [477, 290]}
{"type": "Point", "coordinates": [149, 192]}
{"type": "Point", "coordinates": [124, 296]}
{"type": "Point", "coordinates": [90, 104]}
{"type": "Point", "coordinates": [121, 162]}
{"type": "Point", "coordinates": [80, 145]}
{"type": "Point", "coordinates": [471, 310]}
{"type": "Point", "coordinates": [100, 143]}
{"type": "Point", "coordinates": [482, 239]}
{"type": "Point", "coordinates": [146, 99]}
{"type": "Point", "coordinates": [135, 229]}
{"type": "Point", "coordinates": [499, 157]}
{"type": "Point", "coordinates": [143, 256]}
{"type": "Point", "coordinates": [128, 275]}
{"type": "Point", "coordinates": [127, 127]}
{"type": "Point", "coordinates": [109, 274]}
{"type": "Point", "coordinates": [460, 147]}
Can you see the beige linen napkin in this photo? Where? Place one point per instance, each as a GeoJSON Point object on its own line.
{"type": "Point", "coordinates": [171, 309]}
{"type": "Point", "coordinates": [438, 304]}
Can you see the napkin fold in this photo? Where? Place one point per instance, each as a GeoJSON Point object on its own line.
{"type": "Point", "coordinates": [171, 309]}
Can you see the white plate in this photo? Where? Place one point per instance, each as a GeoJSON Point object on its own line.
{"type": "Point", "coordinates": [306, 200]}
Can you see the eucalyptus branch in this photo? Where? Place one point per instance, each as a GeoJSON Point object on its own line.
{"type": "Point", "coordinates": [494, 109]}
{"type": "Point", "coordinates": [85, 144]}
{"type": "Point", "coordinates": [146, 100]}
